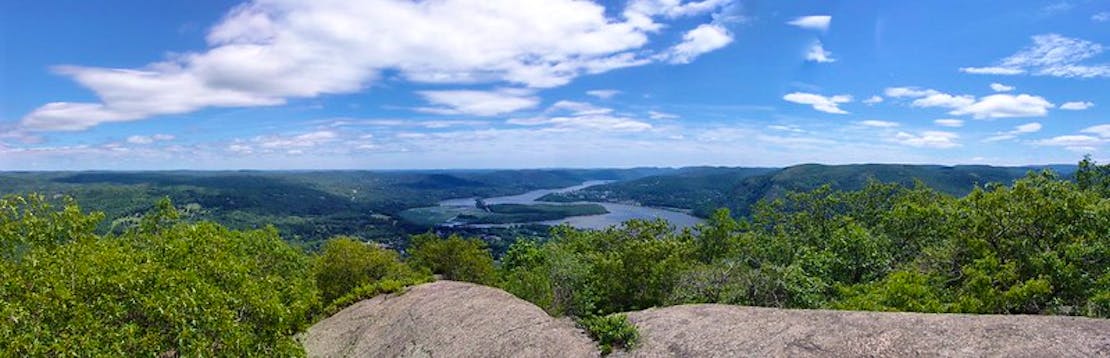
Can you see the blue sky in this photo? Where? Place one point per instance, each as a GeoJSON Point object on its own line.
{"type": "Point", "coordinates": [275, 84]}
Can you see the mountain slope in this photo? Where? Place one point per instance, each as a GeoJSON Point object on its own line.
{"type": "Point", "coordinates": [706, 189]}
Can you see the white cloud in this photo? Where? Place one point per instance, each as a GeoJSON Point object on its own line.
{"type": "Point", "coordinates": [661, 115]}
{"type": "Point", "coordinates": [817, 22]}
{"type": "Point", "coordinates": [944, 100]}
{"type": "Point", "coordinates": [1076, 106]}
{"type": "Point", "coordinates": [1101, 17]}
{"type": "Point", "coordinates": [819, 102]}
{"type": "Point", "coordinates": [1028, 128]}
{"type": "Point", "coordinates": [702, 39]}
{"type": "Point", "coordinates": [787, 128]}
{"type": "Point", "coordinates": [603, 122]}
{"type": "Point", "coordinates": [817, 53]}
{"type": "Point", "coordinates": [305, 140]}
{"type": "Point", "coordinates": [579, 116]}
{"type": "Point", "coordinates": [993, 106]}
{"type": "Point", "coordinates": [1006, 106]}
{"type": "Point", "coordinates": [578, 108]}
{"type": "Point", "coordinates": [1073, 142]}
{"type": "Point", "coordinates": [478, 103]}
{"type": "Point", "coordinates": [263, 53]}
{"type": "Point", "coordinates": [1017, 131]}
{"type": "Point", "coordinates": [603, 93]}
{"type": "Point", "coordinates": [908, 92]}
{"type": "Point", "coordinates": [1102, 130]}
{"type": "Point", "coordinates": [992, 70]}
{"type": "Point", "coordinates": [873, 100]}
{"type": "Point", "coordinates": [674, 8]}
{"type": "Point", "coordinates": [878, 123]}
{"type": "Point", "coordinates": [998, 87]}
{"type": "Point", "coordinates": [928, 139]}
{"type": "Point", "coordinates": [138, 139]}
{"type": "Point", "coordinates": [949, 122]}
{"type": "Point", "coordinates": [1051, 55]}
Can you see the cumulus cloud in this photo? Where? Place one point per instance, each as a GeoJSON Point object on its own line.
{"type": "Point", "coordinates": [873, 100]}
{"type": "Point", "coordinates": [1076, 106]}
{"type": "Point", "coordinates": [1102, 130]}
{"type": "Point", "coordinates": [478, 103]}
{"type": "Point", "coordinates": [998, 87]}
{"type": "Point", "coordinates": [603, 93]}
{"type": "Point", "coordinates": [928, 139]}
{"type": "Point", "coordinates": [674, 8]}
{"type": "Point", "coordinates": [1050, 55]}
{"type": "Point", "coordinates": [944, 100]}
{"type": "Point", "coordinates": [265, 52]}
{"type": "Point", "coordinates": [819, 102]}
{"type": "Point", "coordinates": [1101, 17]}
{"type": "Point", "coordinates": [817, 53]}
{"type": "Point", "coordinates": [878, 123]}
{"type": "Point", "coordinates": [949, 122]}
{"type": "Point", "coordinates": [816, 22]}
{"type": "Point", "coordinates": [702, 39]}
{"type": "Point", "coordinates": [1006, 106]}
{"type": "Point", "coordinates": [999, 105]}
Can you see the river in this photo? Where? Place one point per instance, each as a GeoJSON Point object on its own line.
{"type": "Point", "coordinates": [618, 213]}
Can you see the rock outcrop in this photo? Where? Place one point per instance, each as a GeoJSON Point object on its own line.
{"type": "Point", "coordinates": [453, 319]}
{"type": "Point", "coordinates": [446, 319]}
{"type": "Point", "coordinates": [737, 331]}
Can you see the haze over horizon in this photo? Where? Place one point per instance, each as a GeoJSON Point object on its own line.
{"type": "Point", "coordinates": [460, 84]}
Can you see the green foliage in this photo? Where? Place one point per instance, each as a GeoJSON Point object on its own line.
{"type": "Point", "coordinates": [455, 258]}
{"type": "Point", "coordinates": [371, 289]}
{"type": "Point", "coordinates": [1039, 246]}
{"type": "Point", "coordinates": [582, 273]}
{"type": "Point", "coordinates": [611, 332]}
{"type": "Point", "coordinates": [1092, 176]}
{"type": "Point", "coordinates": [162, 287]}
{"type": "Point", "coordinates": [345, 264]}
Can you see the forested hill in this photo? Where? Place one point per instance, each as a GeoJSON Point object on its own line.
{"type": "Point", "coordinates": [306, 206]}
{"type": "Point", "coordinates": [706, 189]}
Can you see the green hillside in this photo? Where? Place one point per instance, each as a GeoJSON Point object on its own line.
{"type": "Point", "coordinates": [706, 189]}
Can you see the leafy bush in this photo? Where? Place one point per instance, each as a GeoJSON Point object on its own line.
{"type": "Point", "coordinates": [611, 332]}
{"type": "Point", "coordinates": [455, 258]}
{"type": "Point", "coordinates": [345, 264]}
{"type": "Point", "coordinates": [162, 287]}
{"type": "Point", "coordinates": [1040, 246]}
{"type": "Point", "coordinates": [372, 289]}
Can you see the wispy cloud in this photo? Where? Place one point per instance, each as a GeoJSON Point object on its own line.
{"type": "Point", "coordinates": [819, 102]}
{"type": "Point", "coordinates": [815, 22]}
{"type": "Point", "coordinates": [1050, 55]}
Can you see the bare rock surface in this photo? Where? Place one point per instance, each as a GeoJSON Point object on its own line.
{"type": "Point", "coordinates": [446, 319]}
{"type": "Point", "coordinates": [737, 331]}
{"type": "Point", "coordinates": [454, 319]}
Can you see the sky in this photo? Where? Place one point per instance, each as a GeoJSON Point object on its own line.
{"type": "Point", "coordinates": [386, 84]}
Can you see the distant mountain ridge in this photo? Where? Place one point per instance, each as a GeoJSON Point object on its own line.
{"type": "Point", "coordinates": [704, 189]}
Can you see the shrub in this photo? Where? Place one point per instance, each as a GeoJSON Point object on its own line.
{"type": "Point", "coordinates": [455, 258]}
{"type": "Point", "coordinates": [345, 264]}
{"type": "Point", "coordinates": [162, 287]}
{"type": "Point", "coordinates": [611, 332]}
